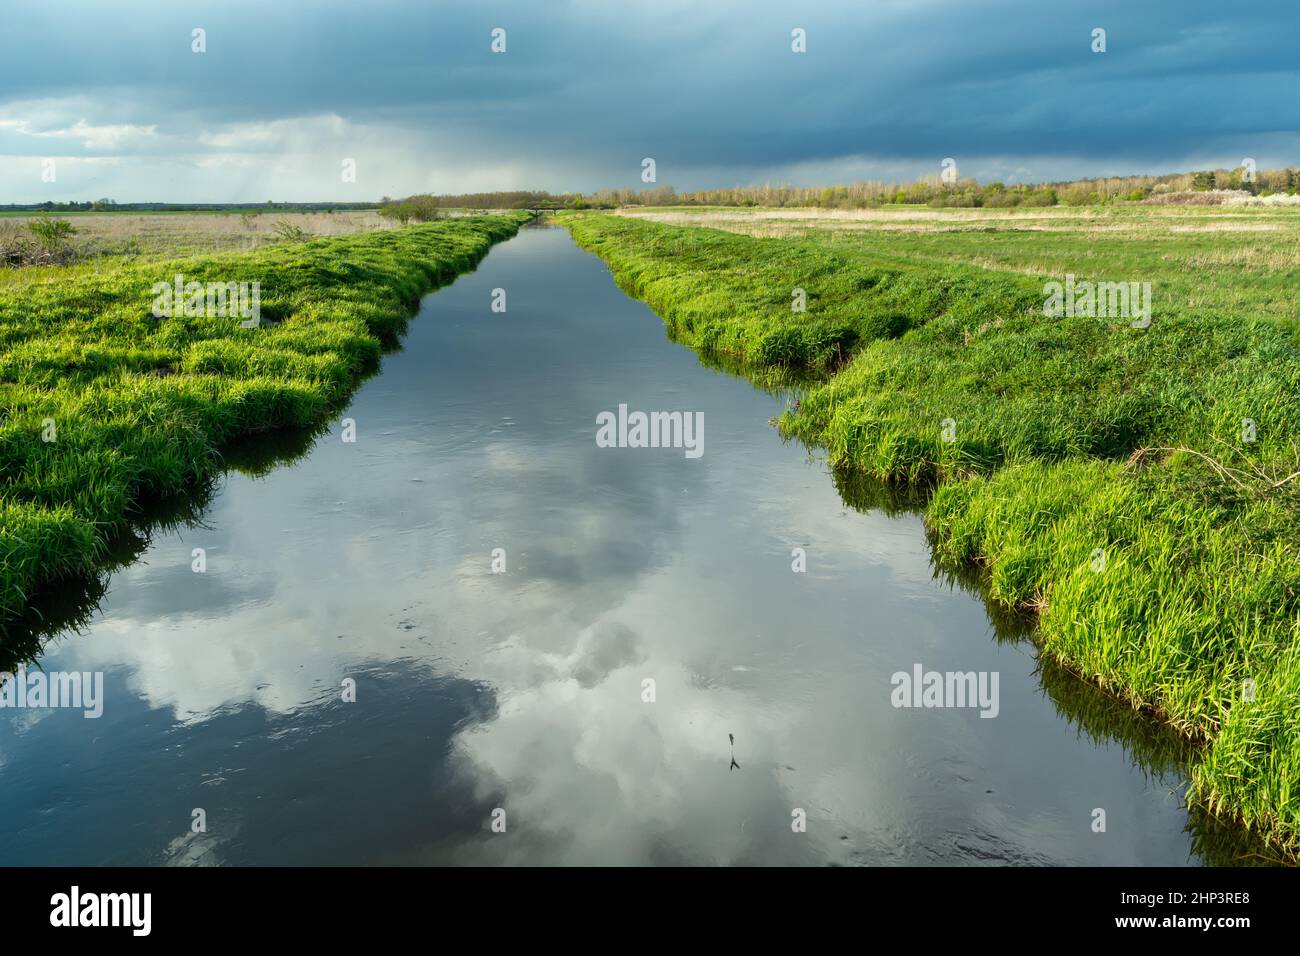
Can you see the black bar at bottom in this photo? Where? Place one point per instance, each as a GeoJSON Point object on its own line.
{"type": "Point", "coordinates": [205, 906]}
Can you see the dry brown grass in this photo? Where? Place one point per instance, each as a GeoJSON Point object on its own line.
{"type": "Point", "coordinates": [109, 234]}
{"type": "Point", "coordinates": [1132, 221]}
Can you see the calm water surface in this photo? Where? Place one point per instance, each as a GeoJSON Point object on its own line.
{"type": "Point", "coordinates": [523, 691]}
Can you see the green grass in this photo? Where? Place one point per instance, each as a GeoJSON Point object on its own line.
{"type": "Point", "coordinates": [716, 295]}
{"type": "Point", "coordinates": [141, 406]}
{"type": "Point", "coordinates": [1096, 470]}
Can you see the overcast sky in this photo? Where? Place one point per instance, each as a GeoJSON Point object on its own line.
{"type": "Point", "coordinates": [411, 90]}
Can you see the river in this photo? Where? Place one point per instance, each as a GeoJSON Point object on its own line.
{"type": "Point", "coordinates": [581, 706]}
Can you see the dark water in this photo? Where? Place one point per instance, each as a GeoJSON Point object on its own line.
{"type": "Point", "coordinates": [524, 691]}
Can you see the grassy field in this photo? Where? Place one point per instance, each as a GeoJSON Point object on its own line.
{"type": "Point", "coordinates": [126, 235]}
{"type": "Point", "coordinates": [150, 235]}
{"type": "Point", "coordinates": [105, 407]}
{"type": "Point", "coordinates": [1106, 475]}
{"type": "Point", "coordinates": [1197, 257]}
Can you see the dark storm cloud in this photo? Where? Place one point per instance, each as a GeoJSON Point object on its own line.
{"type": "Point", "coordinates": [586, 89]}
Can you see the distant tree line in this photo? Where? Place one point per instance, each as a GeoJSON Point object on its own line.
{"type": "Point", "coordinates": [97, 205]}
{"type": "Point", "coordinates": [932, 191]}
{"type": "Point", "coordinates": [928, 191]}
{"type": "Point", "coordinates": [109, 205]}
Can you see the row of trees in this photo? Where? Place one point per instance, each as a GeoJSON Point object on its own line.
{"type": "Point", "coordinates": [426, 207]}
{"type": "Point", "coordinates": [423, 208]}
{"type": "Point", "coordinates": [932, 191]}
{"type": "Point", "coordinates": [927, 191]}
{"type": "Point", "coordinates": [95, 205]}
{"type": "Point", "coordinates": [503, 199]}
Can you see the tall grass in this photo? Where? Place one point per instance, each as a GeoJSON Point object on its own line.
{"type": "Point", "coordinates": [717, 295]}
{"type": "Point", "coordinates": [104, 406]}
{"type": "Point", "coordinates": [1098, 471]}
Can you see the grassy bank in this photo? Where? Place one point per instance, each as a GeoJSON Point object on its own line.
{"type": "Point", "coordinates": [1102, 473]}
{"type": "Point", "coordinates": [104, 406]}
{"type": "Point", "coordinates": [1238, 259]}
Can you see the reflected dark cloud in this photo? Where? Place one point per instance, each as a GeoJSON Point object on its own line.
{"type": "Point", "coordinates": [165, 585]}
{"type": "Point", "coordinates": [273, 786]}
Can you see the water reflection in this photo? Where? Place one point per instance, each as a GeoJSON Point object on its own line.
{"type": "Point", "coordinates": [527, 691]}
{"type": "Point", "coordinates": [67, 607]}
{"type": "Point", "coordinates": [270, 783]}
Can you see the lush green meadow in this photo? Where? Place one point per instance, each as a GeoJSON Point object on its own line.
{"type": "Point", "coordinates": [1198, 257]}
{"type": "Point", "coordinates": [1106, 475]}
{"type": "Point", "coordinates": [105, 407]}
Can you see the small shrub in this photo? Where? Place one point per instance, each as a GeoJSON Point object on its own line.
{"type": "Point", "coordinates": [52, 234]}
{"type": "Point", "coordinates": [286, 231]}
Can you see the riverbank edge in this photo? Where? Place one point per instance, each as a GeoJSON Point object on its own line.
{"type": "Point", "coordinates": [43, 542]}
{"type": "Point", "coordinates": [942, 516]}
